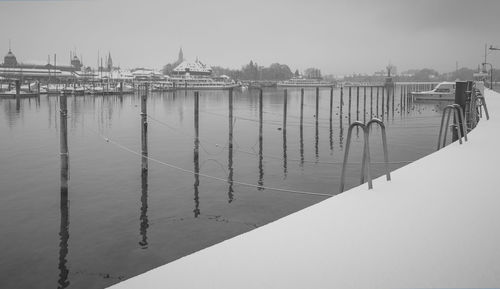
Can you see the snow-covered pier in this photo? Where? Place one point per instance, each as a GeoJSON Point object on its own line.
{"type": "Point", "coordinates": [436, 224]}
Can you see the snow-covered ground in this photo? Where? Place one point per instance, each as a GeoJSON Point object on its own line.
{"type": "Point", "coordinates": [436, 224]}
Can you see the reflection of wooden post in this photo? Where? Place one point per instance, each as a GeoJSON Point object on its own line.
{"type": "Point", "coordinates": [144, 127]}
{"type": "Point", "coordinates": [64, 227]}
{"type": "Point", "coordinates": [143, 218]}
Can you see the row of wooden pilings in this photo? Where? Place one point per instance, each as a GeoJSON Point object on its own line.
{"type": "Point", "coordinates": [143, 92]}
{"type": "Point", "coordinates": [144, 224]}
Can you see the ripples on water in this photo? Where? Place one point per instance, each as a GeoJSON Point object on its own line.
{"type": "Point", "coordinates": [115, 221]}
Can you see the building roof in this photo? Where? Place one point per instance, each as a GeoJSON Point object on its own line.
{"type": "Point", "coordinates": [196, 67]}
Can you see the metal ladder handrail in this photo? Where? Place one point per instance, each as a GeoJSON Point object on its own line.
{"type": "Point", "coordinates": [483, 104]}
{"type": "Point", "coordinates": [458, 113]}
{"type": "Point", "coordinates": [384, 143]}
{"type": "Point", "coordinates": [461, 120]}
{"type": "Point", "coordinates": [366, 163]}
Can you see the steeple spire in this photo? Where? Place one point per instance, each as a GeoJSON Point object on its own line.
{"type": "Point", "coordinates": [181, 55]}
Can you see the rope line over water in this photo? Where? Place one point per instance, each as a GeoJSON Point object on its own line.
{"type": "Point", "coordinates": [273, 157]}
{"type": "Point", "coordinates": [108, 140]}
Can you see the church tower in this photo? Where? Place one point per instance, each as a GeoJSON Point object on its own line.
{"type": "Point", "coordinates": [109, 62]}
{"type": "Point", "coordinates": [181, 56]}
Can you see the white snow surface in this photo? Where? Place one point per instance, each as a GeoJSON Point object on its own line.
{"type": "Point", "coordinates": [436, 224]}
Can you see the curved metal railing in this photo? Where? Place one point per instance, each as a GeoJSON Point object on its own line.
{"type": "Point", "coordinates": [365, 167]}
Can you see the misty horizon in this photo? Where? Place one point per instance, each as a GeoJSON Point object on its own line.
{"type": "Point", "coordinates": [338, 37]}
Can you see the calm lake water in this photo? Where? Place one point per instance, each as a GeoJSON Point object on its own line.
{"type": "Point", "coordinates": [118, 222]}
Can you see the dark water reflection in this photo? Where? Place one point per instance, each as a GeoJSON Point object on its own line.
{"type": "Point", "coordinates": [126, 220]}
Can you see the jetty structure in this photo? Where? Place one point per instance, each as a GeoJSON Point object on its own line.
{"type": "Point", "coordinates": [435, 224]}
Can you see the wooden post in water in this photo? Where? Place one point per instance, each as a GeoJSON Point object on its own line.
{"type": "Point", "coordinates": [364, 104]}
{"type": "Point", "coordinates": [285, 98]}
{"type": "Point", "coordinates": [371, 102]}
{"type": "Point", "coordinates": [301, 128]}
{"type": "Point", "coordinates": [230, 192]}
{"type": "Point", "coordinates": [349, 113]}
{"type": "Point", "coordinates": [18, 95]}
{"type": "Point", "coordinates": [317, 104]}
{"type": "Point", "coordinates": [18, 88]}
{"type": "Point", "coordinates": [341, 99]}
{"type": "Point", "coordinates": [393, 90]}
{"type": "Point", "coordinates": [316, 146]}
{"type": "Point", "coordinates": [357, 102]}
{"type": "Point", "coordinates": [196, 157]}
{"type": "Point", "coordinates": [284, 132]}
{"type": "Point", "coordinates": [383, 102]}
{"type": "Point", "coordinates": [388, 104]}
{"type": "Point", "coordinates": [460, 99]}
{"type": "Point", "coordinates": [144, 127]}
{"type": "Point", "coordinates": [401, 99]}
{"type": "Point", "coordinates": [261, 148]}
{"type": "Point", "coordinates": [63, 108]}
{"type": "Point", "coordinates": [301, 104]}
{"type": "Point", "coordinates": [331, 103]}
{"type": "Point", "coordinates": [377, 100]}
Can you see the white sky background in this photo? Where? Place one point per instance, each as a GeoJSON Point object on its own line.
{"type": "Point", "coordinates": [339, 37]}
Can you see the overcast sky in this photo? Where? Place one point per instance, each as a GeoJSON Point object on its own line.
{"type": "Point", "coordinates": [339, 37]}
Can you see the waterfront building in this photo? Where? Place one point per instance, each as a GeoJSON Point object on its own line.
{"type": "Point", "coordinates": [12, 68]}
{"type": "Point", "coordinates": [196, 68]}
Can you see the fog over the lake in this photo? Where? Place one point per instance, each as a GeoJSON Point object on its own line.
{"type": "Point", "coordinates": [339, 37]}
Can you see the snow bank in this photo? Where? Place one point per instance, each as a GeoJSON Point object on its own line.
{"type": "Point", "coordinates": [436, 224]}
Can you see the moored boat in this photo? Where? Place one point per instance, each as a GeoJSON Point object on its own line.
{"type": "Point", "coordinates": [305, 82]}
{"type": "Point", "coordinates": [442, 91]}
